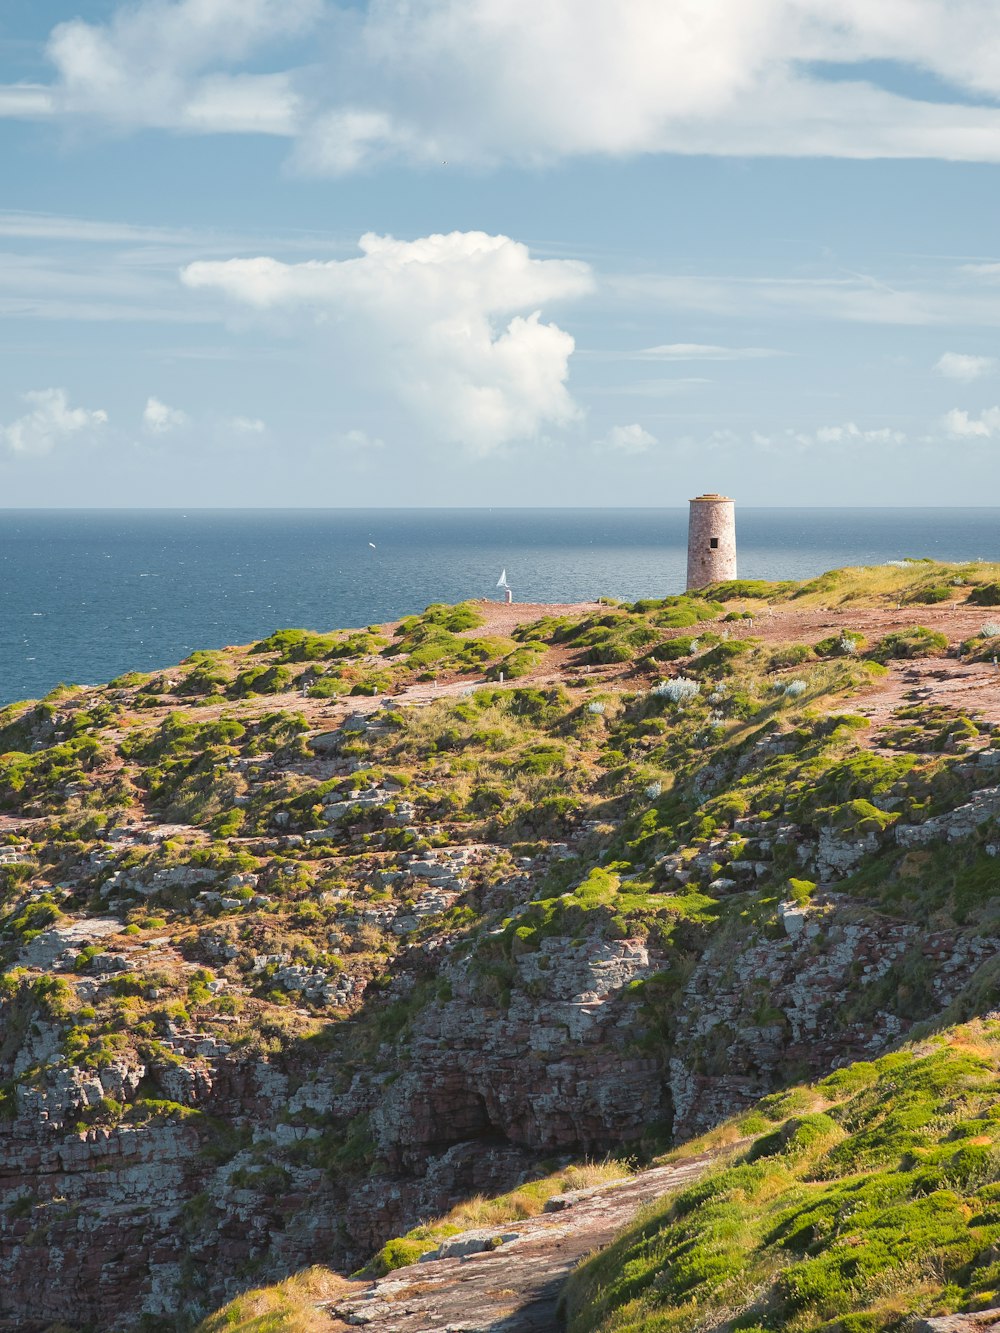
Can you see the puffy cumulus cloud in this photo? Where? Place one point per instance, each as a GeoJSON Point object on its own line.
{"type": "Point", "coordinates": [961, 426]}
{"type": "Point", "coordinates": [960, 366]}
{"type": "Point", "coordinates": [461, 274]}
{"type": "Point", "coordinates": [852, 433]}
{"type": "Point", "coordinates": [159, 419]}
{"type": "Point", "coordinates": [632, 439]}
{"type": "Point", "coordinates": [496, 80]}
{"type": "Point", "coordinates": [430, 314]}
{"type": "Point", "coordinates": [849, 435]}
{"type": "Point", "coordinates": [167, 63]}
{"type": "Point", "coordinates": [50, 422]}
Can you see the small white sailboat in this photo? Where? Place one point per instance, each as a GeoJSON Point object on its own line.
{"type": "Point", "coordinates": [502, 580]}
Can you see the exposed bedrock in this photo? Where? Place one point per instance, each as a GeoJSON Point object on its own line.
{"type": "Point", "coordinates": [262, 1165]}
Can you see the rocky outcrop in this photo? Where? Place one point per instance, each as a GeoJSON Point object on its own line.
{"type": "Point", "coordinates": [231, 1181]}
{"type": "Point", "coordinates": [551, 1068]}
{"type": "Point", "coordinates": [506, 1278]}
{"type": "Point", "coordinates": [978, 1321]}
{"type": "Point", "coordinates": [756, 1007]}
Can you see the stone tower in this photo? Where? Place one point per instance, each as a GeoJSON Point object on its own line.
{"type": "Point", "coordinates": [711, 540]}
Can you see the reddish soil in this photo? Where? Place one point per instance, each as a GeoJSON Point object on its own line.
{"type": "Point", "coordinates": [502, 619]}
{"type": "Point", "coordinates": [973, 688]}
{"type": "Point", "coordinates": [787, 624]}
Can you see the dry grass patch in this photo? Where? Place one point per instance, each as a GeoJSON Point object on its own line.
{"type": "Point", "coordinates": [526, 1201]}
{"type": "Point", "coordinates": [288, 1307]}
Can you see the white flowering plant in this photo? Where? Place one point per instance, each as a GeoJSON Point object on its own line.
{"type": "Point", "coordinates": [680, 690]}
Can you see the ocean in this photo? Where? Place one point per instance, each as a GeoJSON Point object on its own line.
{"type": "Point", "coordinates": [87, 594]}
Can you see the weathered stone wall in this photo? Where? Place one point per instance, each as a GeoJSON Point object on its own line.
{"type": "Point", "coordinates": [712, 519]}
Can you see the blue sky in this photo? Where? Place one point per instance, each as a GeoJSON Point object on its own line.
{"type": "Point", "coordinates": [455, 252]}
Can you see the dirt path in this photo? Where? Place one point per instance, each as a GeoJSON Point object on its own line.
{"type": "Point", "coordinates": [507, 1279]}
{"type": "Point", "coordinates": [501, 618]}
{"type": "Point", "coordinates": [972, 688]}
{"type": "Point", "coordinates": [786, 623]}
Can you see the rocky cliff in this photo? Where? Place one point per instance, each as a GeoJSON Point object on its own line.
{"type": "Point", "coordinates": [307, 941]}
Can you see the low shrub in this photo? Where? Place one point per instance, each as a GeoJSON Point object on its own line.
{"type": "Point", "coordinates": [733, 589]}
{"type": "Point", "coordinates": [931, 596]}
{"type": "Point", "coordinates": [845, 644]}
{"type": "Point", "coordinates": [908, 643]}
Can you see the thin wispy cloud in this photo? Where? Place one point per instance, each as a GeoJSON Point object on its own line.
{"type": "Point", "coordinates": [358, 442]}
{"type": "Point", "coordinates": [26, 101]}
{"type": "Point", "coordinates": [248, 425]}
{"type": "Point", "coordinates": [705, 352]}
{"type": "Point", "coordinates": [948, 297]}
{"type": "Point", "coordinates": [654, 387]}
{"type": "Point", "coordinates": [52, 227]}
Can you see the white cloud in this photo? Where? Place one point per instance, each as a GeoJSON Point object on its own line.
{"type": "Point", "coordinates": [159, 419]}
{"type": "Point", "coordinates": [486, 80]}
{"type": "Point", "coordinates": [358, 442]}
{"type": "Point", "coordinates": [848, 434]}
{"type": "Point", "coordinates": [654, 388]}
{"type": "Point", "coordinates": [856, 297]}
{"type": "Point", "coordinates": [165, 63]}
{"type": "Point", "coordinates": [28, 101]}
{"type": "Point", "coordinates": [629, 439]}
{"type": "Point", "coordinates": [248, 425]}
{"type": "Point", "coordinates": [498, 80]}
{"type": "Point", "coordinates": [50, 422]}
{"type": "Point", "coordinates": [705, 352]}
{"type": "Point", "coordinates": [338, 142]}
{"type": "Point", "coordinates": [961, 426]}
{"type": "Point", "coordinates": [429, 314]}
{"type": "Point", "coordinates": [52, 227]}
{"type": "Point", "coordinates": [960, 366]}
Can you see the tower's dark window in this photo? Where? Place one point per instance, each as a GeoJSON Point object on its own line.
{"type": "Point", "coordinates": [713, 543]}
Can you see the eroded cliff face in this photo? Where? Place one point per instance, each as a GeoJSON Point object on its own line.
{"type": "Point", "coordinates": [274, 1164]}
{"type": "Point", "coordinates": [281, 982]}
{"type": "Point", "coordinates": [243, 1170]}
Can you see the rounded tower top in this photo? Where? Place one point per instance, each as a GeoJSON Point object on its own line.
{"type": "Point", "coordinates": [711, 497]}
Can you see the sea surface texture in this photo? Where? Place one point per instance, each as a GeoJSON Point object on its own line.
{"type": "Point", "coordinates": [85, 595]}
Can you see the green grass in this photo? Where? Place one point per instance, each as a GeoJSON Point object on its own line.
{"type": "Point", "coordinates": [631, 779]}
{"type": "Point", "coordinates": [919, 641]}
{"type": "Point", "coordinates": [876, 1204]}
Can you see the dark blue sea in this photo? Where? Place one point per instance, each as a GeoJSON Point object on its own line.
{"type": "Point", "coordinates": [85, 595]}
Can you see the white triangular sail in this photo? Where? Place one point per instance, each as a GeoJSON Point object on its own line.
{"type": "Point", "coordinates": [502, 580]}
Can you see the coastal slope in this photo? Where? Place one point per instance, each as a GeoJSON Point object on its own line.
{"type": "Point", "coordinates": [308, 941]}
